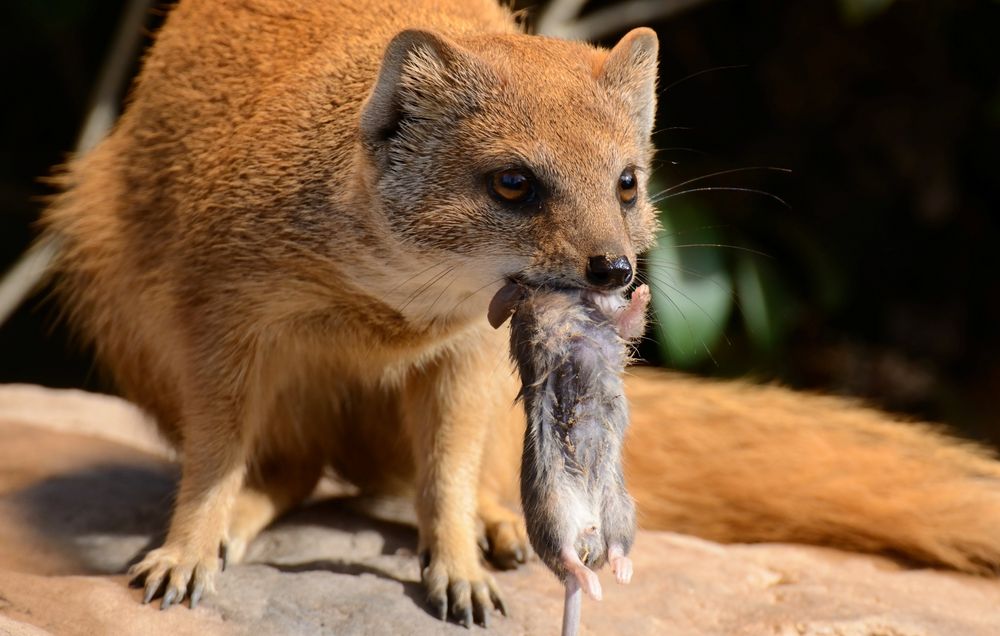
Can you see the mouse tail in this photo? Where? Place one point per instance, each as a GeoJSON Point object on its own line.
{"type": "Point", "coordinates": [735, 462]}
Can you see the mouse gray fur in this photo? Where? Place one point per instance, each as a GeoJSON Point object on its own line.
{"type": "Point", "coordinates": [571, 348]}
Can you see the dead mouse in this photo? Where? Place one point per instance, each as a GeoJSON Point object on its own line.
{"type": "Point", "coordinates": [570, 347]}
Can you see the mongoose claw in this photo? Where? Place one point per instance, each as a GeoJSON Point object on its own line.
{"type": "Point", "coordinates": [465, 601]}
{"type": "Point", "coordinates": [497, 600]}
{"type": "Point", "coordinates": [165, 571]}
{"type": "Point", "coordinates": [172, 594]}
{"type": "Point", "coordinates": [154, 586]}
{"type": "Point", "coordinates": [481, 600]}
{"type": "Point", "coordinates": [197, 589]}
{"type": "Point", "coordinates": [460, 602]}
{"type": "Point", "coordinates": [439, 608]}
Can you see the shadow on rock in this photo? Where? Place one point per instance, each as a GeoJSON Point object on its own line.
{"type": "Point", "coordinates": [99, 517]}
{"type": "Point", "coordinates": [106, 517]}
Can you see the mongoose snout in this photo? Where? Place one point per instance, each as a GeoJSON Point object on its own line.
{"type": "Point", "coordinates": [609, 272]}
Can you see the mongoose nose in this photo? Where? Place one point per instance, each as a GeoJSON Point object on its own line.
{"type": "Point", "coordinates": [609, 272]}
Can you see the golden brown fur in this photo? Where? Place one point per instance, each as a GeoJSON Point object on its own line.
{"type": "Point", "coordinates": [289, 264]}
{"type": "Point", "coordinates": [737, 462]}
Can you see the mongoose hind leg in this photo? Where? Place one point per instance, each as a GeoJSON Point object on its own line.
{"type": "Point", "coordinates": [212, 471]}
{"type": "Point", "coordinates": [272, 488]}
{"type": "Point", "coordinates": [503, 536]}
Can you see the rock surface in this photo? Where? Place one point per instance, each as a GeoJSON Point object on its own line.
{"type": "Point", "coordinates": [85, 486]}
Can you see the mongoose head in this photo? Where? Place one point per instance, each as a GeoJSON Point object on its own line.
{"type": "Point", "coordinates": [515, 157]}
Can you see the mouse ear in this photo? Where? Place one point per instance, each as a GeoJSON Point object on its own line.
{"type": "Point", "coordinates": [423, 77]}
{"type": "Point", "coordinates": [629, 71]}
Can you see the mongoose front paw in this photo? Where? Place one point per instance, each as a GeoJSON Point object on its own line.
{"type": "Point", "coordinates": [466, 594]}
{"type": "Point", "coordinates": [174, 573]}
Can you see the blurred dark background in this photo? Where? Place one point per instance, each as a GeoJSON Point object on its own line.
{"type": "Point", "coordinates": [866, 270]}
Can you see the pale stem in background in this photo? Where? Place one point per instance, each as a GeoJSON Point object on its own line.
{"type": "Point", "coordinates": [30, 270]}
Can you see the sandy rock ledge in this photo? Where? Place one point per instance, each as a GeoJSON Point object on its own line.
{"type": "Point", "coordinates": [85, 485]}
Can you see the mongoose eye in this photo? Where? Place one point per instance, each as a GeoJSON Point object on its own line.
{"type": "Point", "coordinates": [511, 186]}
{"type": "Point", "coordinates": [628, 186]}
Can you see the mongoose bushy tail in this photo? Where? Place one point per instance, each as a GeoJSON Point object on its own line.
{"type": "Point", "coordinates": [736, 462]}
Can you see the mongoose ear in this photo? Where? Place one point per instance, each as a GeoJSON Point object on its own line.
{"type": "Point", "coordinates": [420, 76]}
{"type": "Point", "coordinates": [629, 70]}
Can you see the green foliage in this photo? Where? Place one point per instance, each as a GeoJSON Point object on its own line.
{"type": "Point", "coordinates": [692, 288]}
{"type": "Point", "coordinates": [767, 307]}
{"type": "Point", "coordinates": [698, 276]}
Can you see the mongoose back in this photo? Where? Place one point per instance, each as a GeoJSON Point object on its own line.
{"type": "Point", "coordinates": [286, 248]}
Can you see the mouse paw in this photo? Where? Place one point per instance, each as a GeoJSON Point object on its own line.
{"type": "Point", "coordinates": [583, 576]}
{"type": "Point", "coordinates": [621, 567]}
{"type": "Point", "coordinates": [173, 573]}
{"type": "Point", "coordinates": [631, 322]}
{"type": "Point", "coordinates": [589, 583]}
{"type": "Point", "coordinates": [466, 594]}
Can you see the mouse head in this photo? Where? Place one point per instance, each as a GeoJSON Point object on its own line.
{"type": "Point", "coordinates": [515, 157]}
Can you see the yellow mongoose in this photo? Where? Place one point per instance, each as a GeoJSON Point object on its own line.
{"type": "Point", "coordinates": [286, 248]}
